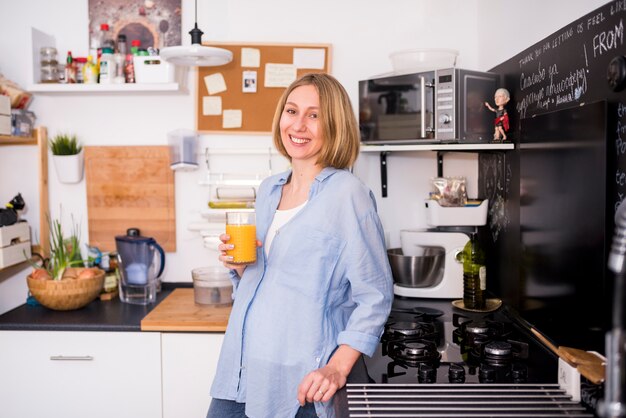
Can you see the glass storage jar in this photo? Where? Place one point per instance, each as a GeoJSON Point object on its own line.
{"type": "Point", "coordinates": [49, 65]}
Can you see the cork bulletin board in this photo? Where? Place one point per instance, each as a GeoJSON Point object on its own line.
{"type": "Point", "coordinates": [241, 96]}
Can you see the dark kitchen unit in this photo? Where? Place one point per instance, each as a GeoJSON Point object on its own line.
{"type": "Point", "coordinates": [558, 190]}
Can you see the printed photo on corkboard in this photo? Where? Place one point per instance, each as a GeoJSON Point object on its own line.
{"type": "Point", "coordinates": [155, 23]}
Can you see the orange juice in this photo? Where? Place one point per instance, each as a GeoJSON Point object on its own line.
{"type": "Point", "coordinates": [244, 239]}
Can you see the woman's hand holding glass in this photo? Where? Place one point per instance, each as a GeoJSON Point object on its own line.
{"type": "Point", "coordinates": [227, 259]}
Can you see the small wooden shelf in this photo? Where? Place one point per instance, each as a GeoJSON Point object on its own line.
{"type": "Point", "coordinates": [40, 139]}
{"type": "Point", "coordinates": [102, 88]}
{"type": "Point", "coordinates": [436, 147]}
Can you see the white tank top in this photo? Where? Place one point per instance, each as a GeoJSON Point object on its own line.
{"type": "Point", "coordinates": [281, 217]}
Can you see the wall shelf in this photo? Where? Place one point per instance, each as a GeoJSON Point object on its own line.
{"type": "Point", "coordinates": [437, 147]}
{"type": "Point", "coordinates": [40, 139]}
{"type": "Point", "coordinates": [102, 88]}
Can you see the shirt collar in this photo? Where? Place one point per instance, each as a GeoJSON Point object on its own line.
{"type": "Point", "coordinates": [326, 172]}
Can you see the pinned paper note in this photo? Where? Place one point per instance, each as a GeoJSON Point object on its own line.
{"type": "Point", "coordinates": [279, 75]}
{"type": "Point", "coordinates": [215, 83]}
{"type": "Point", "coordinates": [211, 105]}
{"type": "Point", "coordinates": [312, 58]}
{"type": "Point", "coordinates": [231, 118]}
{"type": "Point", "coordinates": [250, 57]}
{"type": "Point", "coordinates": [249, 82]}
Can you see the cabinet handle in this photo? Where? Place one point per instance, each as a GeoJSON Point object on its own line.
{"type": "Point", "coordinates": [71, 358]}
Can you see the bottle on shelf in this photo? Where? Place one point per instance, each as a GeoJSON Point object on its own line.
{"type": "Point", "coordinates": [129, 69]}
{"type": "Point", "coordinates": [90, 71]}
{"type": "Point", "coordinates": [121, 46]}
{"type": "Point", "coordinates": [70, 69]}
{"type": "Point", "coordinates": [474, 274]}
{"type": "Point", "coordinates": [97, 42]}
{"type": "Point", "coordinates": [80, 65]}
{"type": "Point", "coordinates": [107, 66]}
{"type": "Point", "coordinates": [134, 46]}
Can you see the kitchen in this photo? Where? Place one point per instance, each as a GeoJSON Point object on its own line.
{"type": "Point", "coordinates": [494, 33]}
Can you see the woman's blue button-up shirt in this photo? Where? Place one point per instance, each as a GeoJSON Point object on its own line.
{"type": "Point", "coordinates": [325, 282]}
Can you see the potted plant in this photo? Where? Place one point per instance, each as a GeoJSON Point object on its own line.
{"type": "Point", "coordinates": [69, 161]}
{"type": "Point", "coordinates": [61, 282]}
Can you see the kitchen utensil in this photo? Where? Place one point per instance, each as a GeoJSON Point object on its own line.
{"type": "Point", "coordinates": [212, 286]}
{"type": "Point", "coordinates": [424, 270]}
{"type": "Point", "coordinates": [588, 364]}
{"type": "Point", "coordinates": [450, 284]}
{"type": "Point", "coordinates": [137, 257]}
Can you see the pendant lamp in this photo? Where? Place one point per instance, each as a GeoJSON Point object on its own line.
{"type": "Point", "coordinates": [196, 54]}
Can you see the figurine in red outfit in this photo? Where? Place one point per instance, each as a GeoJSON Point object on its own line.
{"type": "Point", "coordinates": [501, 122]}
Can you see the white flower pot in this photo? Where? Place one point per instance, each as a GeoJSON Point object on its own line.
{"type": "Point", "coordinates": [69, 168]}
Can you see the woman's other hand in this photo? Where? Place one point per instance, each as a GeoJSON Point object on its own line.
{"type": "Point", "coordinates": [227, 259]}
{"type": "Point", "coordinates": [320, 385]}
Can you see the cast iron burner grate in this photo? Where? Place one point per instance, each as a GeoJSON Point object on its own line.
{"type": "Point", "coordinates": [468, 400]}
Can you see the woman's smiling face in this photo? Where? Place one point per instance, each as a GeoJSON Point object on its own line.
{"type": "Point", "coordinates": [300, 126]}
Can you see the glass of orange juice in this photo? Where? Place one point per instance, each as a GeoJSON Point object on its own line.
{"type": "Point", "coordinates": [242, 230]}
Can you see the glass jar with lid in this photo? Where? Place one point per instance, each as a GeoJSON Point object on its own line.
{"type": "Point", "coordinates": [49, 65]}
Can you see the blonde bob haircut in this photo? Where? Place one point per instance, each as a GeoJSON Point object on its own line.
{"type": "Point", "coordinates": [339, 127]}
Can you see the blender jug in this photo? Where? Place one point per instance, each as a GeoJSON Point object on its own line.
{"type": "Point", "coordinates": [138, 267]}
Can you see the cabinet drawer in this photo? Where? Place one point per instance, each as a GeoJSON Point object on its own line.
{"type": "Point", "coordinates": [78, 374]}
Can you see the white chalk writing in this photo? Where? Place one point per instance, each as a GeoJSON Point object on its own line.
{"type": "Point", "coordinates": [609, 39]}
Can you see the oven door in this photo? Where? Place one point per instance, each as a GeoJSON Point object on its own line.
{"type": "Point", "coordinates": [397, 109]}
{"type": "Point", "coordinates": [461, 112]}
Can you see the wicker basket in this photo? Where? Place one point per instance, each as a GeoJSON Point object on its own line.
{"type": "Point", "coordinates": [66, 294]}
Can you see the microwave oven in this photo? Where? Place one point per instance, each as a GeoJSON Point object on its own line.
{"type": "Point", "coordinates": [445, 105]}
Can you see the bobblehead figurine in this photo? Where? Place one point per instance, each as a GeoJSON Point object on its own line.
{"type": "Point", "coordinates": [501, 121]}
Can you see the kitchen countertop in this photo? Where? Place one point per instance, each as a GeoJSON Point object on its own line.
{"type": "Point", "coordinates": [111, 315]}
{"type": "Point", "coordinates": [174, 311]}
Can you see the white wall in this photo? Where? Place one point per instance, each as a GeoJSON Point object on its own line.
{"type": "Point", "coordinates": [363, 34]}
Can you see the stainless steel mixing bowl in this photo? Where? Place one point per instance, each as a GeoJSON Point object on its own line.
{"type": "Point", "coordinates": [417, 271]}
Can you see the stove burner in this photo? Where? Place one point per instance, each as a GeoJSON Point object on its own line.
{"type": "Point", "coordinates": [414, 352]}
{"type": "Point", "coordinates": [409, 329]}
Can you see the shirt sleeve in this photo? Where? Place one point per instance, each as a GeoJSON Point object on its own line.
{"type": "Point", "coordinates": [235, 279]}
{"type": "Point", "coordinates": [369, 274]}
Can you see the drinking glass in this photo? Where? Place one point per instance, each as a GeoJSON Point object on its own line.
{"type": "Point", "coordinates": [242, 230]}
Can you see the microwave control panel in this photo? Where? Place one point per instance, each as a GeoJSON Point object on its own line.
{"type": "Point", "coordinates": [445, 118]}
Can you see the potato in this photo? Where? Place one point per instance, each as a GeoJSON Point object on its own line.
{"type": "Point", "coordinates": [71, 273]}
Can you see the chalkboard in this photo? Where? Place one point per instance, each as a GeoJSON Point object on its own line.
{"type": "Point", "coordinates": [253, 81]}
{"type": "Point", "coordinates": [569, 68]}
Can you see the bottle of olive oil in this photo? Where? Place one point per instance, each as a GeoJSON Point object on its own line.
{"type": "Point", "coordinates": [474, 274]}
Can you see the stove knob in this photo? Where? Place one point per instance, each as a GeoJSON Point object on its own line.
{"type": "Point", "coordinates": [456, 373]}
{"type": "Point", "coordinates": [426, 374]}
{"type": "Point", "coordinates": [519, 373]}
{"type": "Point", "coordinates": [487, 374]}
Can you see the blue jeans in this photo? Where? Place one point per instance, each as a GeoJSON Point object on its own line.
{"type": "Point", "coordinates": [222, 408]}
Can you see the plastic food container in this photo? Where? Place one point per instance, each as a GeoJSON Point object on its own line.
{"type": "Point", "coordinates": [212, 286]}
{"type": "Point", "coordinates": [423, 59]}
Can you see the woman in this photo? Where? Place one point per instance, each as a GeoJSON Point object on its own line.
{"type": "Point", "coordinates": [321, 289]}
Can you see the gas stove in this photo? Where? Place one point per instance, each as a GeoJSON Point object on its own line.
{"type": "Point", "coordinates": [427, 345]}
{"type": "Point", "coordinates": [436, 359]}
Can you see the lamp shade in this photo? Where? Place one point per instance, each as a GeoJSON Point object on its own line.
{"type": "Point", "coordinates": [196, 55]}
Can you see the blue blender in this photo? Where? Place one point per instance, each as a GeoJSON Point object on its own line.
{"type": "Point", "coordinates": [141, 263]}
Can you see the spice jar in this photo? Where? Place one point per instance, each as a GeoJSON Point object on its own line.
{"type": "Point", "coordinates": [49, 65]}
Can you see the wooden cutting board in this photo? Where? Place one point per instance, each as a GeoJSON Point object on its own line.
{"type": "Point", "coordinates": [178, 312]}
{"type": "Point", "coordinates": [130, 187]}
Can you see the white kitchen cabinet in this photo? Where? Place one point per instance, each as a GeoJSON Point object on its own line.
{"type": "Point", "coordinates": [189, 364]}
{"type": "Point", "coordinates": [80, 374]}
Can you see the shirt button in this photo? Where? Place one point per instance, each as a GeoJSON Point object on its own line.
{"type": "Point", "coordinates": [317, 359]}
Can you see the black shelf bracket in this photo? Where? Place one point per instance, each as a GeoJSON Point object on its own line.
{"type": "Point", "coordinates": [383, 173]}
{"type": "Point", "coordinates": [439, 163]}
